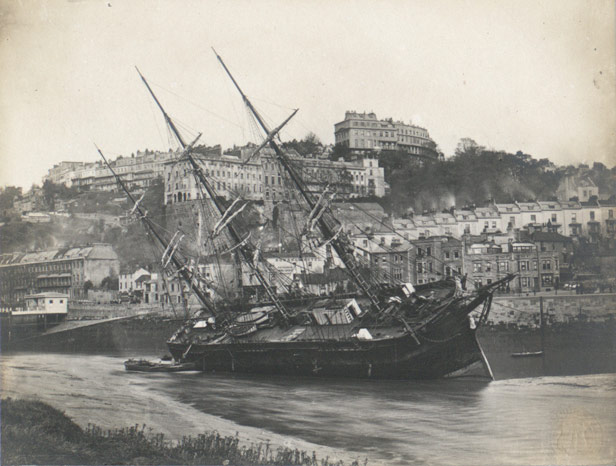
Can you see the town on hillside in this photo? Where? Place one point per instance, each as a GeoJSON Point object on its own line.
{"type": "Point", "coordinates": [411, 213]}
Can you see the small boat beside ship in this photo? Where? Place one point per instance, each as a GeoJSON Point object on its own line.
{"type": "Point", "coordinates": [144, 365]}
{"type": "Point", "coordinates": [527, 354]}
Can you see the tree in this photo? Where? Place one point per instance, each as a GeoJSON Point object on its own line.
{"type": "Point", "coordinates": [341, 151]}
{"type": "Point", "coordinates": [53, 191]}
{"type": "Point", "coordinates": [310, 145]}
{"type": "Point", "coordinates": [110, 283]}
{"type": "Point", "coordinates": [8, 196]}
{"type": "Point", "coordinates": [468, 146]}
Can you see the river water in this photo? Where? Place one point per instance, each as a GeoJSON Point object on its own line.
{"type": "Point", "coordinates": [540, 421]}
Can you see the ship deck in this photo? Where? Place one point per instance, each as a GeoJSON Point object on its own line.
{"type": "Point", "coordinates": [314, 333]}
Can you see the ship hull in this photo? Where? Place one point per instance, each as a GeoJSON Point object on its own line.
{"type": "Point", "coordinates": [392, 358]}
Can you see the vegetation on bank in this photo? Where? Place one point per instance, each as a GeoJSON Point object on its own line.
{"type": "Point", "coordinates": [36, 433]}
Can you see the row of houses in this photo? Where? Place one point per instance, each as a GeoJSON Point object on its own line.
{"type": "Point", "coordinates": [591, 219]}
{"type": "Point", "coordinates": [222, 279]}
{"type": "Point", "coordinates": [419, 262]}
{"type": "Point", "coordinates": [138, 172]}
{"type": "Point", "coordinates": [69, 271]}
{"type": "Point", "coordinates": [537, 262]}
{"type": "Point", "coordinates": [541, 262]}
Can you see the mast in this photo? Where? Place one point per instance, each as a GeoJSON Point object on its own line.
{"type": "Point", "coordinates": [245, 250]}
{"type": "Point", "coordinates": [180, 267]}
{"type": "Point", "coordinates": [340, 246]}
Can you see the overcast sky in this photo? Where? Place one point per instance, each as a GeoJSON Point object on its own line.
{"type": "Point", "coordinates": [536, 76]}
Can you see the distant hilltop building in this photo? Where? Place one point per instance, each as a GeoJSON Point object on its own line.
{"type": "Point", "coordinates": [363, 132]}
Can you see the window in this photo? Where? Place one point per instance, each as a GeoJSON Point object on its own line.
{"type": "Point", "coordinates": [546, 280]}
{"type": "Point", "coordinates": [533, 218]}
{"type": "Point", "coordinates": [456, 254]}
{"type": "Point", "coordinates": [592, 215]}
{"type": "Point", "coordinates": [546, 265]}
{"type": "Point", "coordinates": [51, 301]}
{"type": "Point", "coordinates": [554, 218]}
{"type": "Point", "coordinates": [476, 267]}
{"type": "Point", "coordinates": [610, 213]}
{"type": "Point", "coordinates": [447, 254]}
{"type": "Point", "coordinates": [428, 251]}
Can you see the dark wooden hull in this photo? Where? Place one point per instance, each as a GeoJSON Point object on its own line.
{"type": "Point", "coordinates": [393, 358]}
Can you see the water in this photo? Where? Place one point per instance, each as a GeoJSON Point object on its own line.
{"type": "Point", "coordinates": [552, 420]}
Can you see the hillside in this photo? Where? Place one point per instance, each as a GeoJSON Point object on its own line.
{"type": "Point", "coordinates": [90, 217]}
{"type": "Point", "coordinates": [475, 175]}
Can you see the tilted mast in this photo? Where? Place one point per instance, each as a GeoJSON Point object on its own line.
{"type": "Point", "coordinates": [245, 250]}
{"type": "Point", "coordinates": [180, 267]}
{"type": "Point", "coordinates": [339, 245]}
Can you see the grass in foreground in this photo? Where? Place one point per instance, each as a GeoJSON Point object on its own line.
{"type": "Point", "coordinates": [36, 433]}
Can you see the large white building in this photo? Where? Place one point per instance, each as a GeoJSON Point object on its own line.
{"type": "Point", "coordinates": [362, 132]}
{"type": "Point", "coordinates": [260, 177]}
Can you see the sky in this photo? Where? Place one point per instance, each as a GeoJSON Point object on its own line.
{"type": "Point", "coordinates": [537, 76]}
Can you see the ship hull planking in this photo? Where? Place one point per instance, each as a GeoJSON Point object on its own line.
{"type": "Point", "coordinates": [392, 358]}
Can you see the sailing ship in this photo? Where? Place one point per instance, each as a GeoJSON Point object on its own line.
{"type": "Point", "coordinates": [383, 330]}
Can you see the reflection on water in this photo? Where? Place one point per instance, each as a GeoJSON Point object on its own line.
{"type": "Point", "coordinates": [563, 420]}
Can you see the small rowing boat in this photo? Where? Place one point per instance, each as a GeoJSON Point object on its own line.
{"type": "Point", "coordinates": [527, 354]}
{"type": "Point", "coordinates": [143, 365]}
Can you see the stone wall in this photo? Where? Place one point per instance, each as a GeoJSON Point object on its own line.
{"type": "Point", "coordinates": [89, 311]}
{"type": "Point", "coordinates": [525, 310]}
